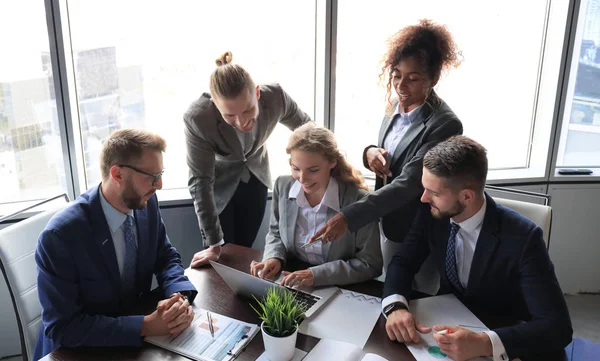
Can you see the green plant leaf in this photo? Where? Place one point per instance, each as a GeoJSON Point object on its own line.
{"type": "Point", "coordinates": [279, 312]}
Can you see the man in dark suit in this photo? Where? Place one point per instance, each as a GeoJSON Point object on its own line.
{"type": "Point", "coordinates": [493, 259]}
{"type": "Point", "coordinates": [98, 255]}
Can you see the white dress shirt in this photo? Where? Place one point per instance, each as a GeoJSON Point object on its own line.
{"type": "Point", "coordinates": [400, 123]}
{"type": "Point", "coordinates": [115, 220]}
{"type": "Point", "coordinates": [466, 242]}
{"type": "Point", "coordinates": [311, 219]}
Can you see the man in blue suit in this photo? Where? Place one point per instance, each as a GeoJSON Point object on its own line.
{"type": "Point", "coordinates": [492, 258]}
{"type": "Point", "coordinates": [98, 255]}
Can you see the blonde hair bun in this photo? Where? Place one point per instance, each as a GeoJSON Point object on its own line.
{"type": "Point", "coordinates": [224, 59]}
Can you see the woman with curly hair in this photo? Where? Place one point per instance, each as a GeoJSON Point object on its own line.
{"type": "Point", "coordinates": [415, 121]}
{"type": "Point", "coordinates": [322, 182]}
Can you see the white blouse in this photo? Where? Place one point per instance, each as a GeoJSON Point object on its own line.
{"type": "Point", "coordinates": [311, 219]}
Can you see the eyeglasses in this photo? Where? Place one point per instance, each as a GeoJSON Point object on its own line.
{"type": "Point", "coordinates": [155, 177]}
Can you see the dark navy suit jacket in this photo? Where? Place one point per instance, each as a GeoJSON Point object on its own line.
{"type": "Point", "coordinates": [78, 278]}
{"type": "Point", "coordinates": [511, 275]}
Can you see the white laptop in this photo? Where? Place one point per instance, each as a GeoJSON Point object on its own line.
{"type": "Point", "coordinates": [247, 285]}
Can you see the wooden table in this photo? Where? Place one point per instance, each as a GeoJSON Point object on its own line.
{"type": "Point", "coordinates": [216, 296]}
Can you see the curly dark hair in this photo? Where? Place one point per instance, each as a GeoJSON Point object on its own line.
{"type": "Point", "coordinates": [430, 43]}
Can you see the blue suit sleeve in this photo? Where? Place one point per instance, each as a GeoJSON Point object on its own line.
{"type": "Point", "coordinates": [168, 268]}
{"type": "Point", "coordinates": [63, 318]}
{"type": "Point", "coordinates": [550, 326]}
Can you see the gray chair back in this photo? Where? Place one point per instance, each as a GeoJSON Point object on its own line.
{"type": "Point", "coordinates": [18, 243]}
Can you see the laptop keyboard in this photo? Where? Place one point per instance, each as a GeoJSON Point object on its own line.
{"type": "Point", "coordinates": [305, 300]}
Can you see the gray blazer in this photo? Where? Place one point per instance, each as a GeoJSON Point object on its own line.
{"type": "Point", "coordinates": [216, 159]}
{"type": "Point", "coordinates": [355, 257]}
{"type": "Point", "coordinates": [397, 202]}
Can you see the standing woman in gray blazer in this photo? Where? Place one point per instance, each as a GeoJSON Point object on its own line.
{"type": "Point", "coordinates": [415, 121]}
{"type": "Point", "coordinates": [322, 182]}
{"type": "Point", "coordinates": [225, 133]}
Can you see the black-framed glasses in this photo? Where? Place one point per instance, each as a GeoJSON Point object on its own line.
{"type": "Point", "coordinates": [155, 177]}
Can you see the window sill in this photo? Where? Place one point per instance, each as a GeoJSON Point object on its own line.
{"type": "Point", "coordinates": [594, 177]}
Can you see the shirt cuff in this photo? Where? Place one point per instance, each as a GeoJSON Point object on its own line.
{"type": "Point", "coordinates": [498, 350]}
{"type": "Point", "coordinates": [392, 299]}
{"type": "Point", "coordinates": [218, 244]}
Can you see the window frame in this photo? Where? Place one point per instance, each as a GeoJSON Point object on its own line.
{"type": "Point", "coordinates": [326, 16]}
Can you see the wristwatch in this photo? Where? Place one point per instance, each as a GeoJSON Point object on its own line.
{"type": "Point", "coordinates": [185, 295]}
{"type": "Point", "coordinates": [394, 307]}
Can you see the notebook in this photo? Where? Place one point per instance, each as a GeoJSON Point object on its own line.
{"type": "Point", "coordinates": [196, 342]}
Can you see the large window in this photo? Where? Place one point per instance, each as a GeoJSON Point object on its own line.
{"type": "Point", "coordinates": [106, 65]}
{"type": "Point", "coordinates": [580, 137]}
{"type": "Point", "coordinates": [141, 64]}
{"type": "Point", "coordinates": [31, 162]}
{"type": "Point", "coordinates": [509, 72]}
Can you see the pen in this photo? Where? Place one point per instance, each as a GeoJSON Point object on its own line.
{"type": "Point", "coordinates": [444, 332]}
{"type": "Point", "coordinates": [210, 324]}
{"type": "Point", "coordinates": [469, 326]}
{"type": "Point", "coordinates": [319, 239]}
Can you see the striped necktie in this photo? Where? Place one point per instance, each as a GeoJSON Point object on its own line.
{"type": "Point", "coordinates": [451, 268]}
{"type": "Point", "coordinates": [129, 268]}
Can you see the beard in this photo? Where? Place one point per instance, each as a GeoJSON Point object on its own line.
{"type": "Point", "coordinates": [455, 210]}
{"type": "Point", "coordinates": [132, 199]}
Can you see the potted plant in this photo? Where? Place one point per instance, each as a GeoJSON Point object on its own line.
{"type": "Point", "coordinates": [280, 319]}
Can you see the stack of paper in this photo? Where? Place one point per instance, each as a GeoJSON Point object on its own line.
{"type": "Point", "coordinates": [348, 317]}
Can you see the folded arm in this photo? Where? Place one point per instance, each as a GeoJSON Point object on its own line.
{"type": "Point", "coordinates": [168, 268]}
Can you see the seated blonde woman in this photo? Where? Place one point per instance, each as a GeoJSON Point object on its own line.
{"type": "Point", "coordinates": [322, 182]}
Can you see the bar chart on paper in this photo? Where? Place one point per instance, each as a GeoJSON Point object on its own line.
{"type": "Point", "coordinates": [196, 341]}
{"type": "Point", "coordinates": [440, 310]}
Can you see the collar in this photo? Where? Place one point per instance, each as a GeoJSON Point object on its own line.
{"type": "Point", "coordinates": [113, 216]}
{"type": "Point", "coordinates": [470, 224]}
{"type": "Point", "coordinates": [411, 115]}
{"type": "Point", "coordinates": [330, 198]}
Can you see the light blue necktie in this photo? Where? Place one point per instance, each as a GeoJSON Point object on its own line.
{"type": "Point", "coordinates": [451, 269]}
{"type": "Point", "coordinates": [129, 267]}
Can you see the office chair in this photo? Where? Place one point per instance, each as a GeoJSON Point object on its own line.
{"type": "Point", "coordinates": [537, 213]}
{"type": "Point", "coordinates": [17, 248]}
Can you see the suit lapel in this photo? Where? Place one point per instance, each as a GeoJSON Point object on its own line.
{"type": "Point", "coordinates": [418, 125]}
{"type": "Point", "coordinates": [141, 222]}
{"type": "Point", "coordinates": [103, 239]}
{"type": "Point", "coordinates": [486, 246]}
{"type": "Point", "coordinates": [326, 249]}
{"type": "Point", "coordinates": [230, 137]}
{"type": "Point", "coordinates": [442, 239]}
{"type": "Point", "coordinates": [385, 127]}
{"type": "Point", "coordinates": [291, 214]}
{"type": "Point", "coordinates": [413, 131]}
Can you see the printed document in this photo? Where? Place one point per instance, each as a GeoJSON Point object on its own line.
{"type": "Point", "coordinates": [196, 342]}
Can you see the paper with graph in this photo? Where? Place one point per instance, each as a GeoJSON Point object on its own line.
{"type": "Point", "coordinates": [349, 317]}
{"type": "Point", "coordinates": [440, 310]}
{"type": "Point", "coordinates": [196, 342]}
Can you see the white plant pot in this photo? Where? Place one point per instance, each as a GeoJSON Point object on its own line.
{"type": "Point", "coordinates": [279, 348]}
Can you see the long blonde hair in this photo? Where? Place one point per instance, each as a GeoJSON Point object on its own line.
{"type": "Point", "coordinates": [314, 139]}
{"type": "Point", "coordinates": [229, 80]}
